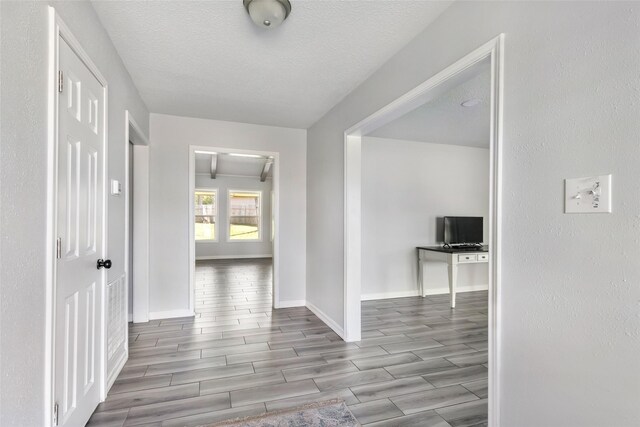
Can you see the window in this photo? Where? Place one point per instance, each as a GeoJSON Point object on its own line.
{"type": "Point", "coordinates": [206, 214]}
{"type": "Point", "coordinates": [244, 215]}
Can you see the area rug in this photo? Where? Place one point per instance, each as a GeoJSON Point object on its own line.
{"type": "Point", "coordinates": [332, 413]}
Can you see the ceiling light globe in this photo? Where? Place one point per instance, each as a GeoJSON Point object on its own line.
{"type": "Point", "coordinates": [268, 13]}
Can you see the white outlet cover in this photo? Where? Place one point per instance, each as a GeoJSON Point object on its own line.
{"type": "Point", "coordinates": [588, 195]}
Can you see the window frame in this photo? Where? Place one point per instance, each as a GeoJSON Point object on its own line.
{"type": "Point", "coordinates": [260, 222]}
{"type": "Point", "coordinates": [216, 229]}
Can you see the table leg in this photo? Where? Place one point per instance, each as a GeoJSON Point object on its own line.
{"type": "Point", "coordinates": [420, 276]}
{"type": "Point", "coordinates": [453, 278]}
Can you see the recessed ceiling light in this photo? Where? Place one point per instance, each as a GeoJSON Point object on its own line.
{"type": "Point", "coordinates": [471, 102]}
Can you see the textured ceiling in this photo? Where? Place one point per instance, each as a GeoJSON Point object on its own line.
{"type": "Point", "coordinates": [207, 59]}
{"type": "Point", "coordinates": [230, 165]}
{"type": "Point", "coordinates": [443, 120]}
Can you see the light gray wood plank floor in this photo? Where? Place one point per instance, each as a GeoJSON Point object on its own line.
{"type": "Point", "coordinates": [419, 363]}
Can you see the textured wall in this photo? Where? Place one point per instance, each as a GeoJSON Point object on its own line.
{"type": "Point", "coordinates": [23, 172]}
{"type": "Point", "coordinates": [23, 165]}
{"type": "Point", "coordinates": [406, 186]}
{"type": "Point", "coordinates": [569, 301]}
{"type": "Point", "coordinates": [169, 200]}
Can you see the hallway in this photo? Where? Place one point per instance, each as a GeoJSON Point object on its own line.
{"type": "Point", "coordinates": [417, 363]}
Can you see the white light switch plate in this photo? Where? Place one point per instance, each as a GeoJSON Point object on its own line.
{"type": "Point", "coordinates": [588, 195]}
{"type": "Point", "coordinates": [116, 188]}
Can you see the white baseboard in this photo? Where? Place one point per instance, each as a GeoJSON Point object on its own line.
{"type": "Point", "coordinates": [459, 289]}
{"type": "Point", "coordinates": [130, 318]}
{"type": "Point", "coordinates": [389, 295]}
{"type": "Point", "coordinates": [170, 314]}
{"type": "Point", "coordinates": [415, 292]}
{"type": "Point", "coordinates": [206, 257]}
{"type": "Point", "coordinates": [326, 319]}
{"type": "Point", "coordinates": [292, 303]}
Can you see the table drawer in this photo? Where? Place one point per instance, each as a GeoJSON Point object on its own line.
{"type": "Point", "coordinates": [483, 257]}
{"type": "Point", "coordinates": [467, 258]}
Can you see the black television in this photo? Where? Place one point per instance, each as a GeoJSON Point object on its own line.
{"type": "Point", "coordinates": [461, 230]}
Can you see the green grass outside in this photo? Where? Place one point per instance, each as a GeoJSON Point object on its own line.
{"type": "Point", "coordinates": [205, 231]}
{"type": "Point", "coordinates": [244, 232]}
{"type": "Point", "coordinates": [238, 232]}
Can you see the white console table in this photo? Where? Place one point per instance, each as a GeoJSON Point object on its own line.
{"type": "Point", "coordinates": [453, 257]}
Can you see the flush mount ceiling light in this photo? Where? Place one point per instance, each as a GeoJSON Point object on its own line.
{"type": "Point", "coordinates": [471, 102]}
{"type": "Point", "coordinates": [253, 156]}
{"type": "Point", "coordinates": [268, 13]}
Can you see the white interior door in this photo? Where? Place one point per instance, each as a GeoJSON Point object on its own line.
{"type": "Point", "coordinates": [79, 283]}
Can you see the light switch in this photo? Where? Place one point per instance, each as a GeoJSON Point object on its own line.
{"type": "Point", "coordinates": [588, 195]}
{"type": "Point", "coordinates": [116, 187]}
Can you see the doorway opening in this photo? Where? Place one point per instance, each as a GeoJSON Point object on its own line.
{"type": "Point", "coordinates": [136, 220]}
{"type": "Point", "coordinates": [459, 72]}
{"type": "Point", "coordinates": [233, 233]}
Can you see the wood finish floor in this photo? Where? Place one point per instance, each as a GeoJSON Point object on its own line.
{"type": "Point", "coordinates": [419, 362]}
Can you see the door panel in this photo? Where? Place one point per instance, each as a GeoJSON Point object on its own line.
{"type": "Point", "coordinates": [89, 202]}
{"type": "Point", "coordinates": [79, 284]}
{"type": "Point", "coordinates": [90, 338]}
{"type": "Point", "coordinates": [70, 353]}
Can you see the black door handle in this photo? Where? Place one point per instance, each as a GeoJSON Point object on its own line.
{"type": "Point", "coordinates": [106, 263]}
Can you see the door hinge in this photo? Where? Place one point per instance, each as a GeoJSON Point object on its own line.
{"type": "Point", "coordinates": [60, 81]}
{"type": "Point", "coordinates": [58, 248]}
{"type": "Point", "coordinates": [55, 414]}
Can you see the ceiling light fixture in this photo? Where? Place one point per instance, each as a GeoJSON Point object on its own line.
{"type": "Point", "coordinates": [471, 102]}
{"type": "Point", "coordinates": [253, 156]}
{"type": "Point", "coordinates": [268, 13]}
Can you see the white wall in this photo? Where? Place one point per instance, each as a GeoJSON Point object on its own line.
{"type": "Point", "coordinates": [569, 303]}
{"type": "Point", "coordinates": [23, 172]}
{"type": "Point", "coordinates": [171, 137]}
{"type": "Point", "coordinates": [406, 186]}
{"type": "Point", "coordinates": [223, 248]}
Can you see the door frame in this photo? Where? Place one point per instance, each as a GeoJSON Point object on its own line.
{"type": "Point", "coordinates": [141, 217]}
{"type": "Point", "coordinates": [58, 29]}
{"type": "Point", "coordinates": [494, 51]}
{"type": "Point", "coordinates": [275, 208]}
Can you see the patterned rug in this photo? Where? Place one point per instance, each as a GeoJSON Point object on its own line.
{"type": "Point", "coordinates": [332, 413]}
